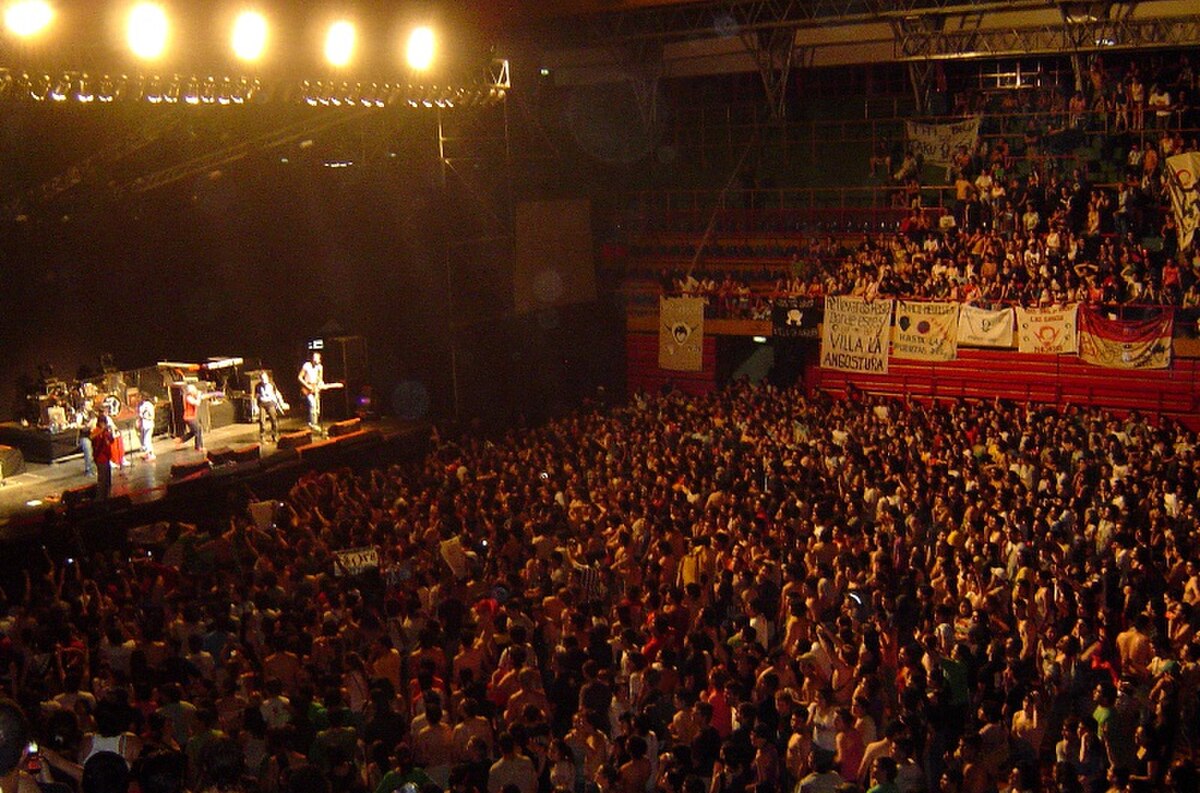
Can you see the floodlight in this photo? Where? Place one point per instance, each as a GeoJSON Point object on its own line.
{"type": "Point", "coordinates": [249, 36]}
{"type": "Point", "coordinates": [147, 31]}
{"type": "Point", "coordinates": [420, 48]}
{"type": "Point", "coordinates": [27, 18]}
{"type": "Point", "coordinates": [339, 43]}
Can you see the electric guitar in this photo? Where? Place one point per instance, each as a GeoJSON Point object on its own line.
{"type": "Point", "coordinates": [305, 390]}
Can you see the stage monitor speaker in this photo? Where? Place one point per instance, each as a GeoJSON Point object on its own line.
{"type": "Point", "coordinates": [181, 470]}
{"type": "Point", "coordinates": [346, 427]}
{"type": "Point", "coordinates": [79, 495]}
{"type": "Point", "coordinates": [294, 440]}
{"type": "Point", "coordinates": [246, 454]}
{"type": "Point", "coordinates": [12, 462]}
{"type": "Point", "coordinates": [220, 455]}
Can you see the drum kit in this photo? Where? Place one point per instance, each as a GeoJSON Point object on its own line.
{"type": "Point", "coordinates": [63, 408]}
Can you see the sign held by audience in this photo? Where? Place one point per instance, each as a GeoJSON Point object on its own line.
{"type": "Point", "coordinates": [925, 331]}
{"type": "Point", "coordinates": [355, 561]}
{"type": "Point", "coordinates": [854, 336]}
{"type": "Point", "coordinates": [681, 334]}
{"type": "Point", "coordinates": [1047, 331]}
{"type": "Point", "coordinates": [981, 327]}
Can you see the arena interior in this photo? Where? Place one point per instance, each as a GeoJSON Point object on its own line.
{"type": "Point", "coordinates": [599, 396]}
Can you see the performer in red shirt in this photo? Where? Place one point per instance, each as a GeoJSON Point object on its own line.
{"type": "Point", "coordinates": [102, 453]}
{"type": "Point", "coordinates": [191, 401]}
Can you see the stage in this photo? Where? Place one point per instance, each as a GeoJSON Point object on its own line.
{"type": "Point", "coordinates": [62, 487]}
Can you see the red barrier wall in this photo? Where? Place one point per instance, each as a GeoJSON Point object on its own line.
{"type": "Point", "coordinates": [1049, 379]}
{"type": "Point", "coordinates": [642, 372]}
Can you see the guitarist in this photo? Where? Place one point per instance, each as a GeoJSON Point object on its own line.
{"type": "Point", "coordinates": [312, 380]}
{"type": "Point", "coordinates": [270, 403]}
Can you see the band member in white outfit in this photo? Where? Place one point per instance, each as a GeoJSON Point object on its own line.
{"type": "Point", "coordinates": [312, 380]}
{"type": "Point", "coordinates": [146, 426]}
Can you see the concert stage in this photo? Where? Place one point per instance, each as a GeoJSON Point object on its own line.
{"type": "Point", "coordinates": [59, 493]}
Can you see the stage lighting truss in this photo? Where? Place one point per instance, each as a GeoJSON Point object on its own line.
{"type": "Point", "coordinates": [489, 88]}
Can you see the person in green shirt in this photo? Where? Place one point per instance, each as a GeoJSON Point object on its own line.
{"type": "Point", "coordinates": [403, 773]}
{"type": "Point", "coordinates": [883, 776]}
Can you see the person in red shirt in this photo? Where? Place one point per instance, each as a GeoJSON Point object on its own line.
{"type": "Point", "coordinates": [102, 454]}
{"type": "Point", "coordinates": [191, 402]}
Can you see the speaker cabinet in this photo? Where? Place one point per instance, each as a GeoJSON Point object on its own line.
{"type": "Point", "coordinates": [294, 440]}
{"type": "Point", "coordinates": [340, 428]}
{"type": "Point", "coordinates": [181, 470]}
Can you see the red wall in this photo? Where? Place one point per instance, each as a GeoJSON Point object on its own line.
{"type": "Point", "coordinates": [1053, 379]}
{"type": "Point", "coordinates": [642, 372]}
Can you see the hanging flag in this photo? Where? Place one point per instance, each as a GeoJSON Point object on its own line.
{"type": "Point", "coordinates": [925, 331]}
{"type": "Point", "coordinates": [1125, 344]}
{"type": "Point", "coordinates": [981, 327]}
{"type": "Point", "coordinates": [796, 318]}
{"type": "Point", "coordinates": [1047, 331]}
{"type": "Point", "coordinates": [681, 334]}
{"type": "Point", "coordinates": [854, 337]}
{"type": "Point", "coordinates": [936, 143]}
{"type": "Point", "coordinates": [1182, 172]}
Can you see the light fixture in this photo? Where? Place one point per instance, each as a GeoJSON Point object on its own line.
{"type": "Point", "coordinates": [339, 43]}
{"type": "Point", "coordinates": [249, 36]}
{"type": "Point", "coordinates": [420, 49]}
{"type": "Point", "coordinates": [27, 18]}
{"type": "Point", "coordinates": [147, 31]}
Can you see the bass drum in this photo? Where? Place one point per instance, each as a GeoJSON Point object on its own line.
{"type": "Point", "coordinates": [112, 403]}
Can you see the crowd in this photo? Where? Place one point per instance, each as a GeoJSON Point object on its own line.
{"type": "Point", "coordinates": [1019, 259]}
{"type": "Point", "coordinates": [753, 591]}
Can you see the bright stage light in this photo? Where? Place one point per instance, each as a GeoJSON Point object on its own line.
{"type": "Point", "coordinates": [147, 31]}
{"type": "Point", "coordinates": [339, 43]}
{"type": "Point", "coordinates": [27, 18]}
{"type": "Point", "coordinates": [249, 36]}
{"type": "Point", "coordinates": [420, 48]}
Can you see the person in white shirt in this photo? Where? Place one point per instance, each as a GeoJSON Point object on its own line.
{"type": "Point", "coordinates": [312, 378]}
{"type": "Point", "coordinates": [146, 426]}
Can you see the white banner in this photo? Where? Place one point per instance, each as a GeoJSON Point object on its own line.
{"type": "Point", "coordinates": [980, 327]}
{"type": "Point", "coordinates": [355, 560]}
{"type": "Point", "coordinates": [1183, 171]}
{"type": "Point", "coordinates": [938, 142]}
{"type": "Point", "coordinates": [1048, 331]}
{"type": "Point", "coordinates": [854, 337]}
{"type": "Point", "coordinates": [925, 331]}
{"type": "Point", "coordinates": [681, 334]}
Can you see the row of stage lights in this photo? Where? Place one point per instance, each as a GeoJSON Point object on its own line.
{"type": "Point", "coordinates": [148, 32]}
{"type": "Point", "coordinates": [225, 91]}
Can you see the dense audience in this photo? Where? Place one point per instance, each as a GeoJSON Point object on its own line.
{"type": "Point", "coordinates": [1025, 223]}
{"type": "Point", "coordinates": [747, 592]}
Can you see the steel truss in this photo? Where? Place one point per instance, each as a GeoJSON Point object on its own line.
{"type": "Point", "coordinates": [913, 44]}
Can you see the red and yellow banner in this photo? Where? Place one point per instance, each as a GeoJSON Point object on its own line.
{"type": "Point", "coordinates": [1125, 344]}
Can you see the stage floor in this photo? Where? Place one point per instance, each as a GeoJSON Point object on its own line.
{"type": "Point", "coordinates": [142, 480]}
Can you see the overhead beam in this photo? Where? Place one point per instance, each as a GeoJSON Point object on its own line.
{"type": "Point", "coordinates": [725, 18]}
{"type": "Point", "coordinates": [1083, 36]}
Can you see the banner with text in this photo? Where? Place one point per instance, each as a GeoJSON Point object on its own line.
{"type": "Point", "coordinates": [925, 331]}
{"type": "Point", "coordinates": [981, 327]}
{"type": "Point", "coordinates": [355, 560]}
{"type": "Point", "coordinates": [681, 334]}
{"type": "Point", "coordinates": [795, 318]}
{"type": "Point", "coordinates": [936, 143]}
{"type": "Point", "coordinates": [1047, 331]}
{"type": "Point", "coordinates": [1125, 344]}
{"type": "Point", "coordinates": [854, 336]}
{"type": "Point", "coordinates": [1183, 171]}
